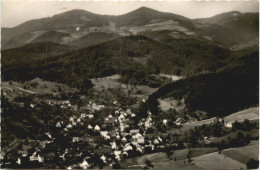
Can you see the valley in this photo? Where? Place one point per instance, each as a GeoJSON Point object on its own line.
{"type": "Point", "coordinates": [141, 90]}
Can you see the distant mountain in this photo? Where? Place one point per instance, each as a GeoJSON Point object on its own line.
{"type": "Point", "coordinates": [66, 22]}
{"type": "Point", "coordinates": [231, 28]}
{"type": "Point", "coordinates": [143, 16]}
{"type": "Point", "coordinates": [79, 27]}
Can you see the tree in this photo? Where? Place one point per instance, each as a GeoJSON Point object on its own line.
{"type": "Point", "coordinates": [116, 166]}
{"type": "Point", "coordinates": [148, 163]}
{"type": "Point", "coordinates": [252, 164]}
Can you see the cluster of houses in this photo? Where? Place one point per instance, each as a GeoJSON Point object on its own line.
{"type": "Point", "coordinates": [119, 136]}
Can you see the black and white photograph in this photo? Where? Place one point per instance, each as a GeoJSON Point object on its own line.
{"type": "Point", "coordinates": [130, 84]}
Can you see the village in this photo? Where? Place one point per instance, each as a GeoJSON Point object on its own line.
{"type": "Point", "coordinates": [101, 135]}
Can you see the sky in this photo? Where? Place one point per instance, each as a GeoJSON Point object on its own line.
{"type": "Point", "coordinates": [15, 12]}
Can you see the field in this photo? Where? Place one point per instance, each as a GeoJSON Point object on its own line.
{"type": "Point", "coordinates": [36, 86]}
{"type": "Point", "coordinates": [217, 161]}
{"type": "Point", "coordinates": [160, 160]}
{"type": "Point", "coordinates": [112, 82]}
{"type": "Point", "coordinates": [233, 158]}
{"type": "Point", "coordinates": [169, 103]}
{"type": "Point", "coordinates": [250, 114]}
{"type": "Point", "coordinates": [244, 154]}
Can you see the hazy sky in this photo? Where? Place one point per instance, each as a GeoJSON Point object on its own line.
{"type": "Point", "coordinates": [15, 12]}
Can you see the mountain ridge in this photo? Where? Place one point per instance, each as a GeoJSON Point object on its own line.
{"type": "Point", "coordinates": [79, 23]}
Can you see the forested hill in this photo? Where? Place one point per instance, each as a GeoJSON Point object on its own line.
{"type": "Point", "coordinates": [233, 88]}
{"type": "Point", "coordinates": [126, 55]}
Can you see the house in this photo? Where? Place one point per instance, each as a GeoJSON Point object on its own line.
{"type": "Point", "coordinates": [107, 137]}
{"type": "Point", "coordinates": [90, 141]}
{"type": "Point", "coordinates": [97, 107]}
{"type": "Point", "coordinates": [179, 121]}
{"type": "Point", "coordinates": [42, 144]}
{"type": "Point", "coordinates": [138, 149]}
{"type": "Point", "coordinates": [90, 116]}
{"type": "Point", "coordinates": [75, 139]}
{"type": "Point", "coordinates": [156, 141]}
{"type": "Point", "coordinates": [117, 155]}
{"type": "Point", "coordinates": [115, 102]}
{"type": "Point", "coordinates": [110, 120]}
{"type": "Point", "coordinates": [33, 157]}
{"type": "Point", "coordinates": [133, 115]}
{"type": "Point", "coordinates": [127, 147]}
{"type": "Point", "coordinates": [68, 127]}
{"type": "Point", "coordinates": [161, 146]}
{"type": "Point", "coordinates": [40, 159]}
{"type": "Point", "coordinates": [125, 154]}
{"type": "Point", "coordinates": [97, 128]}
{"type": "Point", "coordinates": [48, 134]}
{"type": "Point", "coordinates": [113, 134]}
{"type": "Point", "coordinates": [103, 158]}
{"type": "Point", "coordinates": [104, 126]}
{"type": "Point", "coordinates": [207, 140]}
{"type": "Point", "coordinates": [18, 161]}
{"type": "Point", "coordinates": [71, 119]}
{"type": "Point", "coordinates": [124, 139]}
{"type": "Point", "coordinates": [90, 127]}
{"type": "Point", "coordinates": [134, 131]}
{"type": "Point", "coordinates": [160, 139]}
{"type": "Point", "coordinates": [140, 141]}
{"type": "Point", "coordinates": [229, 124]}
{"type": "Point", "coordinates": [58, 124]}
{"type": "Point", "coordinates": [84, 164]}
{"type": "Point", "coordinates": [113, 145]}
{"type": "Point", "coordinates": [83, 115]}
{"type": "Point", "coordinates": [104, 133]}
{"type": "Point", "coordinates": [74, 123]}
{"type": "Point", "coordinates": [22, 152]}
{"type": "Point", "coordinates": [165, 121]}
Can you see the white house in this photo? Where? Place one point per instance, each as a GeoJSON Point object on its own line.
{"type": "Point", "coordinates": [156, 141]}
{"type": "Point", "coordinates": [75, 139]}
{"type": "Point", "coordinates": [124, 139]}
{"type": "Point", "coordinates": [58, 124]}
{"type": "Point", "coordinates": [71, 119]}
{"type": "Point", "coordinates": [97, 128]}
{"type": "Point", "coordinates": [103, 158]}
{"type": "Point", "coordinates": [84, 164]}
{"type": "Point", "coordinates": [69, 126]}
{"type": "Point", "coordinates": [229, 124]}
{"type": "Point", "coordinates": [90, 127]}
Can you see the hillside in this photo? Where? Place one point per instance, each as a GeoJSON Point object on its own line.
{"type": "Point", "coordinates": [50, 36]}
{"type": "Point", "coordinates": [32, 52]}
{"type": "Point", "coordinates": [94, 38]}
{"type": "Point", "coordinates": [121, 55]}
{"type": "Point", "coordinates": [233, 88]}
